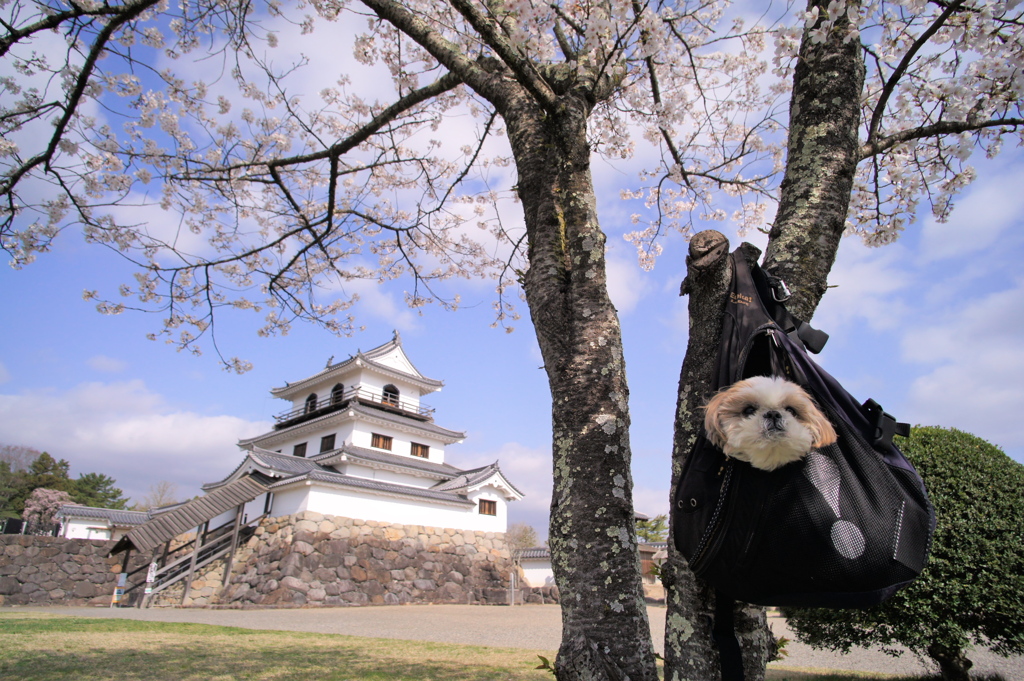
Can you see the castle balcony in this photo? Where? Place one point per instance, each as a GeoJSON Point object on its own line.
{"type": "Point", "coordinates": [338, 401]}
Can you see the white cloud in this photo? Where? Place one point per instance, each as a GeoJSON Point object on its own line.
{"type": "Point", "coordinates": [107, 364]}
{"type": "Point", "coordinates": [376, 302]}
{"type": "Point", "coordinates": [128, 432]}
{"type": "Point", "coordinates": [529, 469]}
{"type": "Point", "coordinates": [976, 382]}
{"type": "Point", "coordinates": [980, 218]}
{"type": "Point", "coordinates": [866, 284]}
{"type": "Point", "coordinates": [651, 501]}
{"type": "Point", "coordinates": [627, 283]}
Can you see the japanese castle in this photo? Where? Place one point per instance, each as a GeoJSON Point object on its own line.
{"type": "Point", "coordinates": [357, 441]}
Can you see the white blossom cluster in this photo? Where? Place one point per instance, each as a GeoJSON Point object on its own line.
{"type": "Point", "coordinates": [199, 141]}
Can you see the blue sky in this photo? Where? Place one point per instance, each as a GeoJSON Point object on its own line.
{"type": "Point", "coordinates": [930, 326]}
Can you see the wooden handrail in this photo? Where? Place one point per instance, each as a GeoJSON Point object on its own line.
{"type": "Point", "coordinates": [362, 395]}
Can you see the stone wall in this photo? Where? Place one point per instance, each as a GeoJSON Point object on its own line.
{"type": "Point", "coordinates": [300, 560]}
{"type": "Point", "coordinates": [37, 570]}
{"type": "Point", "coordinates": [311, 559]}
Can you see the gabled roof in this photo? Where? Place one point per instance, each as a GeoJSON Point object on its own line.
{"type": "Point", "coordinates": [116, 517]}
{"type": "Point", "coordinates": [371, 359]}
{"type": "Point", "coordinates": [467, 481]}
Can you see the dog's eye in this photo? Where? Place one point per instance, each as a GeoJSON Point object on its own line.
{"type": "Point", "coordinates": [749, 410]}
{"type": "Point", "coordinates": [792, 411]}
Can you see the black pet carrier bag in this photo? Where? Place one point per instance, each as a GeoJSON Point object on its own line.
{"type": "Point", "coordinates": [846, 526]}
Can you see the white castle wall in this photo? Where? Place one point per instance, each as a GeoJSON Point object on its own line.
{"type": "Point", "coordinates": [350, 503]}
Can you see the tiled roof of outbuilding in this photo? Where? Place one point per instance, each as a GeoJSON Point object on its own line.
{"type": "Point", "coordinates": [117, 517]}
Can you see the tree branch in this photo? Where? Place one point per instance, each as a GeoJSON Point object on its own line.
{"type": "Point", "coordinates": [452, 56]}
{"type": "Point", "coordinates": [524, 70]}
{"type": "Point", "coordinates": [875, 147]}
{"type": "Point", "coordinates": [901, 68]}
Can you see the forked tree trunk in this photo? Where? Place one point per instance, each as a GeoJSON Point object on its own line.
{"type": "Point", "coordinates": [605, 630]}
{"type": "Point", "coordinates": [815, 197]}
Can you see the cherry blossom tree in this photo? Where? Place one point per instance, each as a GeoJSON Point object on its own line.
{"type": "Point", "coordinates": [42, 505]}
{"type": "Point", "coordinates": [185, 138]}
{"type": "Point", "coordinates": [279, 201]}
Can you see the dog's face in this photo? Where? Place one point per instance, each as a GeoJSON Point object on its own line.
{"type": "Point", "coordinates": [768, 422]}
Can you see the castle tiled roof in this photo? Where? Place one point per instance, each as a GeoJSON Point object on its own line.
{"type": "Point", "coordinates": [351, 452]}
{"type": "Point", "coordinates": [398, 420]}
{"type": "Point", "coordinates": [337, 479]}
{"type": "Point", "coordinates": [283, 470]}
{"type": "Point", "coordinates": [116, 517]}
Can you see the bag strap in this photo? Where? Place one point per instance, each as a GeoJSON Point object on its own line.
{"type": "Point", "coordinates": [774, 293]}
{"type": "Point", "coordinates": [724, 635]}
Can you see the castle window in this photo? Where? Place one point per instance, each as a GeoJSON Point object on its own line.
{"type": "Point", "coordinates": [300, 450]}
{"type": "Point", "coordinates": [311, 403]}
{"type": "Point", "coordinates": [488, 507]}
{"type": "Point", "coordinates": [422, 451]}
{"type": "Point", "coordinates": [327, 443]}
{"type": "Point", "coordinates": [382, 441]}
{"type": "Point", "coordinates": [390, 395]}
{"type": "Point", "coordinates": [337, 392]}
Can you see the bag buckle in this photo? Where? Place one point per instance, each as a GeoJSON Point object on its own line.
{"type": "Point", "coordinates": [780, 292]}
{"type": "Point", "coordinates": [884, 425]}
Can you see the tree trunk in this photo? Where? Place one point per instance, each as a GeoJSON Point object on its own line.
{"type": "Point", "coordinates": [824, 115]}
{"type": "Point", "coordinates": [605, 631]}
{"type": "Point", "coordinates": [802, 246]}
{"type": "Point", "coordinates": [690, 651]}
{"type": "Point", "coordinates": [953, 664]}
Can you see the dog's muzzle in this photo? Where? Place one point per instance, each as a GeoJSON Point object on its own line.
{"type": "Point", "coordinates": [773, 422]}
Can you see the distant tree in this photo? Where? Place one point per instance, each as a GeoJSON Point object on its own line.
{"type": "Point", "coordinates": [19, 457]}
{"type": "Point", "coordinates": [10, 481]}
{"type": "Point", "coordinates": [44, 471]}
{"type": "Point", "coordinates": [970, 592]}
{"type": "Point", "coordinates": [97, 489]}
{"type": "Point", "coordinates": [520, 536]}
{"type": "Point", "coordinates": [41, 507]}
{"type": "Point", "coordinates": [162, 493]}
{"type": "Point", "coordinates": [653, 529]}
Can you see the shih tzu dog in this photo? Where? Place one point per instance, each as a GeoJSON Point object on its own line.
{"type": "Point", "coordinates": [768, 422]}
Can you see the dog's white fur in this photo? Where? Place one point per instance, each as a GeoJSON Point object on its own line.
{"type": "Point", "coordinates": [768, 422]}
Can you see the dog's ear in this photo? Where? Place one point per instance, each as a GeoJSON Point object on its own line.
{"type": "Point", "coordinates": [821, 427]}
{"type": "Point", "coordinates": [713, 417]}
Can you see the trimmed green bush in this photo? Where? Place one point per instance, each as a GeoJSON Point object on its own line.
{"type": "Point", "coordinates": [972, 590]}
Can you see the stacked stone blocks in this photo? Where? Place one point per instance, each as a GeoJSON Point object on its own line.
{"type": "Point", "coordinates": [38, 570]}
{"type": "Point", "coordinates": [312, 559]}
{"type": "Point", "coordinates": [307, 559]}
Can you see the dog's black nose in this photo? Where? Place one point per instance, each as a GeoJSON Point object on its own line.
{"type": "Point", "coordinates": [773, 419]}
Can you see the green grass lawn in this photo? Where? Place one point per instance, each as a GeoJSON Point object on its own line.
{"type": "Point", "coordinates": [44, 647]}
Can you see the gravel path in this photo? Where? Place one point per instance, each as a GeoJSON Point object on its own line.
{"type": "Point", "coordinates": [536, 627]}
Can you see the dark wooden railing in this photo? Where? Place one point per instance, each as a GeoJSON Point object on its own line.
{"type": "Point", "coordinates": [334, 402]}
